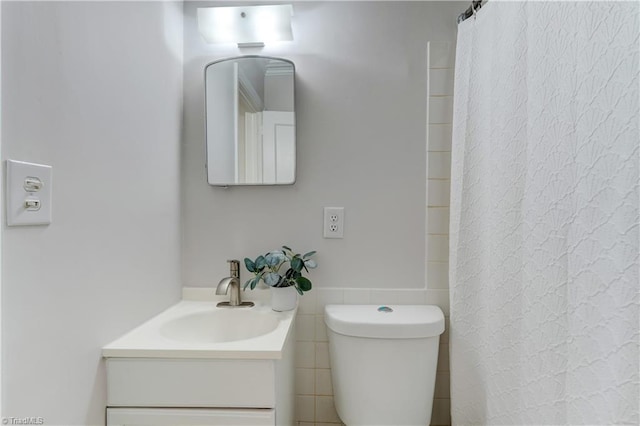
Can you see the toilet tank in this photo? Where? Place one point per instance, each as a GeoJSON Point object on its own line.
{"type": "Point", "coordinates": [383, 362]}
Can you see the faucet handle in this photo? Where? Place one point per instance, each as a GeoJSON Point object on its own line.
{"type": "Point", "coordinates": [234, 268]}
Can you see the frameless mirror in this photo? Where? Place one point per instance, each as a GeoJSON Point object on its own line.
{"type": "Point", "coordinates": [250, 121]}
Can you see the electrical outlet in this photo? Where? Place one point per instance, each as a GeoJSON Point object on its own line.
{"type": "Point", "coordinates": [334, 222]}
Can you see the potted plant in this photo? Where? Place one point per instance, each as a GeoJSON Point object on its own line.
{"type": "Point", "coordinates": [282, 271]}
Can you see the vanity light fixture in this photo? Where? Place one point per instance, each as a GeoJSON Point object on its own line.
{"type": "Point", "coordinates": [249, 26]}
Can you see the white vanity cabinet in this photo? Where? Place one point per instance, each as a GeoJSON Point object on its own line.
{"type": "Point", "coordinates": [155, 381]}
{"type": "Point", "coordinates": [256, 392]}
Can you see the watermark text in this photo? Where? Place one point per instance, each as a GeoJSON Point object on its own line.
{"type": "Point", "coordinates": [23, 420]}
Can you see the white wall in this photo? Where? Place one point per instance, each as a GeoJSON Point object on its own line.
{"type": "Point", "coordinates": [93, 89]}
{"type": "Point", "coordinates": [278, 93]}
{"type": "Point", "coordinates": [361, 74]}
{"type": "Point", "coordinates": [361, 115]}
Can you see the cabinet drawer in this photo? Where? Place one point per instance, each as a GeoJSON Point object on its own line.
{"type": "Point", "coordinates": [157, 382]}
{"type": "Point", "coordinates": [189, 416]}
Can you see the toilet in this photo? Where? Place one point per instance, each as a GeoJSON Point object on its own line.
{"type": "Point", "coordinates": [383, 362]}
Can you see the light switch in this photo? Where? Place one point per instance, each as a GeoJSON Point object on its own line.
{"type": "Point", "coordinates": [28, 193]}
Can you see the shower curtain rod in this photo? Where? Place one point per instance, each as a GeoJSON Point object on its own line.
{"type": "Point", "coordinates": [471, 10]}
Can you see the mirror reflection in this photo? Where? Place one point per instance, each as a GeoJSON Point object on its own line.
{"type": "Point", "coordinates": [250, 121]}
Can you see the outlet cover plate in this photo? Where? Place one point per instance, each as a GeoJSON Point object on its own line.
{"type": "Point", "coordinates": [333, 222]}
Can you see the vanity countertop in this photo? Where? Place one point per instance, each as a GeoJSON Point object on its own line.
{"type": "Point", "coordinates": [153, 340]}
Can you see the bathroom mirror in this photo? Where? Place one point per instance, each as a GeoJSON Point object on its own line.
{"type": "Point", "coordinates": [250, 121]}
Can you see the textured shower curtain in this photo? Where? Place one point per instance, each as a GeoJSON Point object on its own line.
{"type": "Point", "coordinates": [544, 252]}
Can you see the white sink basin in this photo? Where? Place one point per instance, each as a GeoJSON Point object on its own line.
{"type": "Point", "coordinates": [223, 325]}
{"type": "Point", "coordinates": [199, 329]}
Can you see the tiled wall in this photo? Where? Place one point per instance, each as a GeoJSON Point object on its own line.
{"type": "Point", "coordinates": [440, 112]}
{"type": "Point", "coordinates": [314, 392]}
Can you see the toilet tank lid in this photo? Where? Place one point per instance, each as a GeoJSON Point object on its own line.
{"type": "Point", "coordinates": [386, 322]}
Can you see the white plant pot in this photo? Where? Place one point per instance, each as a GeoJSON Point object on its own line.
{"type": "Point", "coordinates": [284, 298]}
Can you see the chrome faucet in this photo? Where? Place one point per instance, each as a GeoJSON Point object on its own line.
{"type": "Point", "coordinates": [233, 283]}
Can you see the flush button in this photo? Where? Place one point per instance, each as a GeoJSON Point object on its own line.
{"type": "Point", "coordinates": [385, 309]}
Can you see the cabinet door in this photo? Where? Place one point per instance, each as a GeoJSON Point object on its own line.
{"type": "Point", "coordinates": [278, 147]}
{"type": "Point", "coordinates": [189, 416]}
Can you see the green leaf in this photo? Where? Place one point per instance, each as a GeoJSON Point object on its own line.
{"type": "Point", "coordinates": [271, 260]}
{"type": "Point", "coordinates": [299, 291]}
{"type": "Point", "coordinates": [274, 258]}
{"type": "Point", "coordinates": [254, 282]}
{"type": "Point", "coordinates": [249, 281]}
{"type": "Point", "coordinates": [248, 263]}
{"type": "Point", "coordinates": [303, 283]}
{"type": "Point", "coordinates": [286, 248]}
{"type": "Point", "coordinates": [272, 279]}
{"type": "Point", "coordinates": [261, 262]}
{"type": "Point", "coordinates": [310, 263]}
{"type": "Point", "coordinates": [297, 264]}
{"type": "Point", "coordinates": [308, 255]}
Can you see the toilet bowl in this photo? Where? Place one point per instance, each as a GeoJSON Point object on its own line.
{"type": "Point", "coordinates": [383, 362]}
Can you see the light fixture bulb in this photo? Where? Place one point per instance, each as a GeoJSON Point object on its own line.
{"type": "Point", "coordinates": [246, 24]}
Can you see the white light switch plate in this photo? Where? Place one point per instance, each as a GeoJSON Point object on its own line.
{"type": "Point", "coordinates": [28, 193]}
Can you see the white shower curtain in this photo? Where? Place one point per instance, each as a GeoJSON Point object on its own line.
{"type": "Point", "coordinates": [544, 251]}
